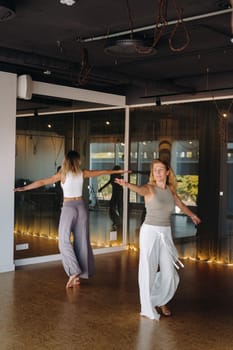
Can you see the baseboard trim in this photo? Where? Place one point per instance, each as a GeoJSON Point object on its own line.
{"type": "Point", "coordinates": [57, 257]}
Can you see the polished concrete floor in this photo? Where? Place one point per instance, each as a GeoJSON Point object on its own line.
{"type": "Point", "coordinates": [38, 313]}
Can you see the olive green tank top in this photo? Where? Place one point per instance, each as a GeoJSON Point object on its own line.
{"type": "Point", "coordinates": [160, 207]}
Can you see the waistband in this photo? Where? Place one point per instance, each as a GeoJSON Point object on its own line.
{"type": "Point", "coordinates": [69, 199]}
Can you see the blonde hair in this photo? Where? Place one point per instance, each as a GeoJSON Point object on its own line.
{"type": "Point", "coordinates": [71, 163]}
{"type": "Point", "coordinates": [171, 178]}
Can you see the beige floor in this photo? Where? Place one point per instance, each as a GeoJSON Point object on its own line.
{"type": "Point", "coordinates": [37, 313]}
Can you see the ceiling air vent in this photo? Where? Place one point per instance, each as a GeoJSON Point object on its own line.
{"type": "Point", "coordinates": [7, 10]}
{"type": "Point", "coordinates": [129, 48]}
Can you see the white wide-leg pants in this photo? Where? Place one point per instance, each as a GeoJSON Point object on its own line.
{"type": "Point", "coordinates": [157, 276]}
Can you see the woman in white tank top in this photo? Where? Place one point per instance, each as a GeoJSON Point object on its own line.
{"type": "Point", "coordinates": [77, 256]}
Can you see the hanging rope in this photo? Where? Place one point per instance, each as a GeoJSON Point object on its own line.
{"type": "Point", "coordinates": [85, 67]}
{"type": "Point", "coordinates": [57, 153]}
{"type": "Point", "coordinates": [179, 23]}
{"type": "Point", "coordinates": [160, 26]}
{"type": "Point", "coordinates": [223, 116]}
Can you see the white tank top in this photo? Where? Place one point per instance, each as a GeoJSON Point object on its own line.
{"type": "Point", "coordinates": [73, 185]}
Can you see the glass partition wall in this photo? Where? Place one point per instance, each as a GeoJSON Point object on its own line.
{"type": "Point", "coordinates": [106, 151]}
{"type": "Point", "coordinates": [226, 214]}
{"type": "Point", "coordinates": [169, 133]}
{"type": "Point", "coordinates": [40, 147]}
{"type": "Point", "coordinates": [192, 137]}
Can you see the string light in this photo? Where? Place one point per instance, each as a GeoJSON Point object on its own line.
{"type": "Point", "coordinates": [130, 247]}
{"type": "Point", "coordinates": [68, 2]}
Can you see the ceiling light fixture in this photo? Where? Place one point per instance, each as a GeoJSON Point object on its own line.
{"type": "Point", "coordinates": [129, 48]}
{"type": "Point", "coordinates": [68, 2]}
{"type": "Point", "coordinates": [47, 72]}
{"type": "Point", "coordinates": [7, 9]}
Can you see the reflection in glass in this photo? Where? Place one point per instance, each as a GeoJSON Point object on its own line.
{"type": "Point", "coordinates": [41, 143]}
{"type": "Point", "coordinates": [155, 134]}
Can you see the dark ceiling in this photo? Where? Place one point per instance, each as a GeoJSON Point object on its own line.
{"type": "Point", "coordinates": [176, 47]}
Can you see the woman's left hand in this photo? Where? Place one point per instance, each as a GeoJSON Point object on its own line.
{"type": "Point", "coordinates": [195, 219]}
{"type": "Point", "coordinates": [121, 182]}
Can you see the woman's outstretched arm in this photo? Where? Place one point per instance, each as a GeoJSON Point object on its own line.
{"type": "Point", "coordinates": [40, 183]}
{"type": "Point", "coordinates": [196, 220]}
{"type": "Point", "coordinates": [143, 190]}
{"type": "Point", "coordinates": [94, 173]}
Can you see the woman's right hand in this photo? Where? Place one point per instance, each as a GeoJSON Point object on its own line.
{"type": "Point", "coordinates": [121, 182]}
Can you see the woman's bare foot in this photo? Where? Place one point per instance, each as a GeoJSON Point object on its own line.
{"type": "Point", "coordinates": [73, 281]}
{"type": "Point", "coordinates": [164, 310]}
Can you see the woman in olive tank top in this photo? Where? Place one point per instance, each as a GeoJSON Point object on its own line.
{"type": "Point", "coordinates": [157, 275]}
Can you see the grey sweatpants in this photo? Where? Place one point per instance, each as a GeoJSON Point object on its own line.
{"type": "Point", "coordinates": [77, 255]}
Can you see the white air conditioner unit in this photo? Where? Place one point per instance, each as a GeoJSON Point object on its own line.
{"type": "Point", "coordinates": [24, 87]}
